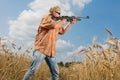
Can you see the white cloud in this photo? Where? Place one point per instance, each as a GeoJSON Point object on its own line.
{"type": "Point", "coordinates": [74, 55]}
{"type": "Point", "coordinates": [26, 24]}
{"type": "Point", "coordinates": [76, 51]}
{"type": "Point", "coordinates": [64, 46]}
{"type": "Point", "coordinates": [105, 46]}
{"type": "Point", "coordinates": [81, 3]}
{"type": "Point", "coordinates": [70, 54]}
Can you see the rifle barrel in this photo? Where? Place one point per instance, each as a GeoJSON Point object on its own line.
{"type": "Point", "coordinates": [87, 17]}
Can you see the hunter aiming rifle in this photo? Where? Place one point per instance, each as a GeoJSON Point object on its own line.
{"type": "Point", "coordinates": [69, 18]}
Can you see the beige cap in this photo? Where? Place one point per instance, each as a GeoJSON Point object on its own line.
{"type": "Point", "coordinates": [55, 8]}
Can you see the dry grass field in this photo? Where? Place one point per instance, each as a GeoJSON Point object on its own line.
{"type": "Point", "coordinates": [100, 63]}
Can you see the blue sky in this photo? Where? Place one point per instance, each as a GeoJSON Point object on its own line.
{"type": "Point", "coordinates": [10, 9]}
{"type": "Point", "coordinates": [19, 14]}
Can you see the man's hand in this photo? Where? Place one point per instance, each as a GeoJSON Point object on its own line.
{"type": "Point", "coordinates": [74, 21]}
{"type": "Point", "coordinates": [64, 21]}
{"type": "Point", "coordinates": [52, 23]}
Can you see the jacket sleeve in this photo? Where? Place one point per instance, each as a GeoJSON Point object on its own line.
{"type": "Point", "coordinates": [46, 23]}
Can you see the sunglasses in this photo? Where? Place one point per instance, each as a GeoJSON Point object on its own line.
{"type": "Point", "coordinates": [57, 12]}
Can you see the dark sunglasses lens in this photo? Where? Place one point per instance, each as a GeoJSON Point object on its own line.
{"type": "Point", "coordinates": [58, 13]}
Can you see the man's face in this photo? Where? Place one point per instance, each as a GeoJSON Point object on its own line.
{"type": "Point", "coordinates": [56, 14]}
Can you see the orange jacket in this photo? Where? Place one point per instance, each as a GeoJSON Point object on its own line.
{"type": "Point", "coordinates": [46, 38]}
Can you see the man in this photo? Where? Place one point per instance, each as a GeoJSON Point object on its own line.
{"type": "Point", "coordinates": [45, 43]}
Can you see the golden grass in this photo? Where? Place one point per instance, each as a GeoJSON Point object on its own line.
{"type": "Point", "coordinates": [99, 64]}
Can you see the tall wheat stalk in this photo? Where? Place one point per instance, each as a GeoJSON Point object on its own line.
{"type": "Point", "coordinates": [100, 63]}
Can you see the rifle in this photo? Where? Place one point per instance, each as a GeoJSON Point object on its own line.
{"type": "Point", "coordinates": [69, 18]}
